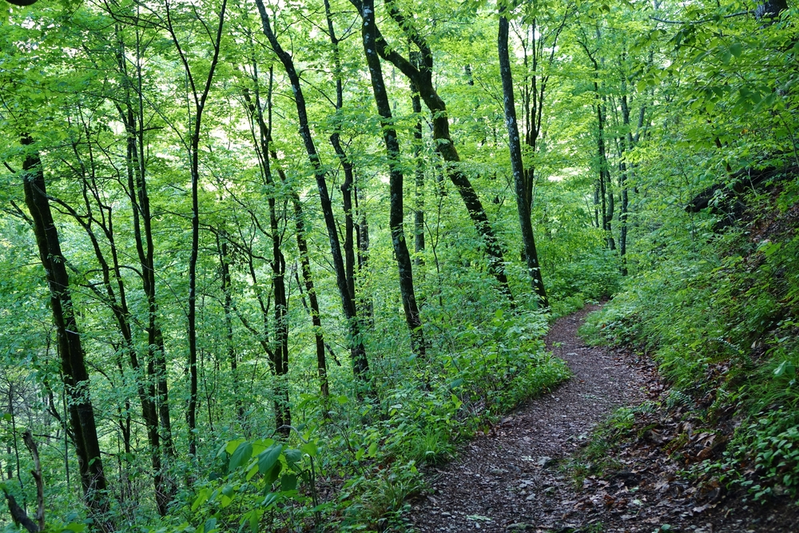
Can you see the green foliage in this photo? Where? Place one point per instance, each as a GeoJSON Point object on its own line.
{"type": "Point", "coordinates": [370, 452]}
{"type": "Point", "coordinates": [764, 455]}
{"type": "Point", "coordinates": [596, 457]}
{"type": "Point", "coordinates": [723, 324]}
{"type": "Point", "coordinates": [704, 99]}
{"type": "Point", "coordinates": [254, 485]}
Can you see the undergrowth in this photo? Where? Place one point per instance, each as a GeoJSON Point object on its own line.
{"type": "Point", "coordinates": [719, 316]}
{"type": "Point", "coordinates": [351, 465]}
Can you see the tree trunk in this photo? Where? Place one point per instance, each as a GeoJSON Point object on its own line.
{"type": "Point", "coordinates": [360, 363]}
{"type": "Point", "coordinates": [73, 366]}
{"type": "Point", "coordinates": [523, 205]}
{"type": "Point", "coordinates": [281, 354]}
{"type": "Point", "coordinates": [156, 411]}
{"type": "Point", "coordinates": [626, 145]}
{"type": "Point", "coordinates": [199, 98]}
{"type": "Point", "coordinates": [605, 190]}
{"type": "Point", "coordinates": [227, 308]}
{"type": "Point", "coordinates": [423, 79]}
{"type": "Point", "coordinates": [396, 215]}
{"type": "Point", "coordinates": [117, 301]}
{"type": "Point", "coordinates": [299, 225]}
{"type": "Point", "coordinates": [261, 132]}
{"type": "Point", "coordinates": [418, 145]}
{"type": "Point", "coordinates": [362, 236]}
{"type": "Point", "coordinates": [346, 164]}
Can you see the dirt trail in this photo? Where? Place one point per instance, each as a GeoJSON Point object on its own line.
{"type": "Point", "coordinates": [504, 481]}
{"type": "Point", "coordinates": [510, 479]}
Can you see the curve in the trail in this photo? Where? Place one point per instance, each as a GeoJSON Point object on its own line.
{"type": "Point", "coordinates": [501, 481]}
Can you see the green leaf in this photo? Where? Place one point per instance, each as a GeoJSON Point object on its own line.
{"type": "Point", "coordinates": [201, 499]}
{"type": "Point", "coordinates": [288, 482]}
{"type": "Point", "coordinates": [736, 49]}
{"type": "Point", "coordinates": [252, 470]}
{"type": "Point", "coordinates": [225, 501]}
{"type": "Point", "coordinates": [786, 368]}
{"type": "Point", "coordinates": [240, 456]}
{"type": "Point", "coordinates": [255, 519]}
{"type": "Point", "coordinates": [268, 458]}
{"type": "Point", "coordinates": [293, 457]}
{"type": "Point", "coordinates": [271, 499]}
{"type": "Point", "coordinates": [274, 473]}
{"type": "Point", "coordinates": [231, 446]}
{"type": "Point", "coordinates": [309, 448]}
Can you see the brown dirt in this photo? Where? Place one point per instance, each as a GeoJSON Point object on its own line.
{"type": "Point", "coordinates": [512, 479]}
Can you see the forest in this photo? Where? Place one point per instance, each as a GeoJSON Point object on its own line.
{"type": "Point", "coordinates": [264, 263]}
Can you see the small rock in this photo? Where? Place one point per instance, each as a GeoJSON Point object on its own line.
{"type": "Point", "coordinates": [544, 461]}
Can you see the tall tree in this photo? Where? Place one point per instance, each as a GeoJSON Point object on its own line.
{"type": "Point", "coordinates": [279, 354]}
{"type": "Point", "coordinates": [396, 214]}
{"type": "Point", "coordinates": [198, 96]}
{"type": "Point", "coordinates": [603, 197]}
{"type": "Point", "coordinates": [523, 204]}
{"type": "Point", "coordinates": [360, 363]}
{"type": "Point", "coordinates": [130, 61]}
{"type": "Point", "coordinates": [97, 220]}
{"type": "Point", "coordinates": [422, 77]}
{"type": "Point", "coordinates": [70, 347]}
{"type": "Point", "coordinates": [418, 145]}
{"type": "Point", "coordinates": [152, 375]}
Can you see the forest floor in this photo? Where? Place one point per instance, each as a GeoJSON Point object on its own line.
{"type": "Point", "coordinates": [516, 476]}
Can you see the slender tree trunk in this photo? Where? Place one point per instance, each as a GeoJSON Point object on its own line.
{"type": "Point", "coordinates": [605, 185]}
{"type": "Point", "coordinates": [281, 353]}
{"type": "Point", "coordinates": [299, 225]}
{"type": "Point", "coordinates": [154, 373]}
{"type": "Point", "coordinates": [603, 194]}
{"type": "Point", "coordinates": [423, 79]}
{"type": "Point", "coordinates": [362, 236]}
{"type": "Point", "coordinates": [278, 355]}
{"type": "Point", "coordinates": [117, 301]}
{"type": "Point", "coordinates": [199, 97]}
{"type": "Point", "coordinates": [227, 307]}
{"type": "Point", "coordinates": [418, 211]}
{"type": "Point", "coordinates": [346, 164]}
{"type": "Point", "coordinates": [76, 377]}
{"type": "Point", "coordinates": [360, 363]}
{"type": "Point", "coordinates": [146, 252]}
{"type": "Point", "coordinates": [396, 216]}
{"type": "Point", "coordinates": [625, 202]}
{"type": "Point", "coordinates": [316, 318]}
{"type": "Point", "coordinates": [517, 165]}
